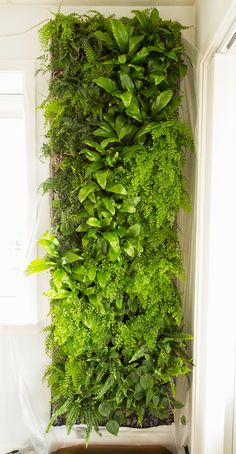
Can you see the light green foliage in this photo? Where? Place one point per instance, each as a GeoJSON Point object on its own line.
{"type": "Point", "coordinates": [117, 150]}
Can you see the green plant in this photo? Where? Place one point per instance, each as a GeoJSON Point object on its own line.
{"type": "Point", "coordinates": [117, 150]}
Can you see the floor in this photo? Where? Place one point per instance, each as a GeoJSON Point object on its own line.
{"type": "Point", "coordinates": [114, 450]}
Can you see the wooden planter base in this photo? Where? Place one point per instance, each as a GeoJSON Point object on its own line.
{"type": "Point", "coordinates": [114, 450]}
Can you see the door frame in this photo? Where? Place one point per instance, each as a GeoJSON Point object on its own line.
{"type": "Point", "coordinates": [213, 393]}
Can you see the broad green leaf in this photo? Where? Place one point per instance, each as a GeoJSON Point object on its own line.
{"type": "Point", "coordinates": [89, 291]}
{"type": "Point", "coordinates": [89, 207]}
{"type": "Point", "coordinates": [109, 140]}
{"type": "Point", "coordinates": [162, 100]}
{"type": "Point", "coordinates": [110, 204]}
{"type": "Point", "coordinates": [50, 237]}
{"type": "Point", "coordinates": [113, 255]}
{"type": "Point", "coordinates": [94, 167]}
{"type": "Point", "coordinates": [133, 241]}
{"type": "Point", "coordinates": [129, 249]}
{"type": "Point", "coordinates": [101, 177]}
{"type": "Point", "coordinates": [92, 233]}
{"type": "Point", "coordinates": [113, 240]}
{"type": "Point", "coordinates": [133, 305]}
{"type": "Point", "coordinates": [82, 227]}
{"type": "Point", "coordinates": [133, 376]}
{"type": "Point", "coordinates": [91, 155]}
{"type": "Point", "coordinates": [94, 222]}
{"type": "Point", "coordinates": [134, 230]}
{"type": "Point", "coordinates": [157, 78]}
{"type": "Point", "coordinates": [86, 190]}
{"type": "Point", "coordinates": [138, 69]}
{"type": "Point", "coordinates": [116, 188]}
{"type": "Point", "coordinates": [91, 273]}
{"type": "Point", "coordinates": [119, 303]}
{"type": "Point", "coordinates": [183, 70]}
{"type": "Point", "coordinates": [78, 272]}
{"type": "Point", "coordinates": [112, 159]}
{"type": "Point", "coordinates": [145, 129]}
{"type": "Point", "coordinates": [105, 130]}
{"type": "Point", "coordinates": [120, 123]}
{"type": "Point", "coordinates": [49, 246]}
{"type": "Point", "coordinates": [107, 84]}
{"type": "Point", "coordinates": [123, 128]}
{"type": "Point", "coordinates": [126, 82]}
{"type": "Point", "coordinates": [177, 404]}
{"type": "Point", "coordinates": [127, 130]}
{"type": "Point", "coordinates": [155, 18]}
{"type": "Point", "coordinates": [142, 18]}
{"type": "Point", "coordinates": [134, 41]}
{"type": "Point", "coordinates": [127, 208]}
{"type": "Point", "coordinates": [106, 222]}
{"type": "Point", "coordinates": [160, 47]}
{"type": "Point", "coordinates": [112, 426]}
{"type": "Point", "coordinates": [102, 278]}
{"type": "Point", "coordinates": [93, 144]}
{"type": "Point", "coordinates": [134, 109]}
{"type": "Point", "coordinates": [147, 382]}
{"type": "Point", "coordinates": [95, 301]}
{"type": "Point", "coordinates": [59, 294]}
{"type": "Point", "coordinates": [131, 150]}
{"type": "Point", "coordinates": [105, 409]}
{"type": "Point", "coordinates": [135, 201]}
{"type": "Point", "coordinates": [140, 56]}
{"type": "Point", "coordinates": [70, 257]}
{"type": "Point", "coordinates": [104, 37]}
{"type": "Point", "coordinates": [119, 416]}
{"type": "Point", "coordinates": [183, 420]}
{"type": "Point", "coordinates": [38, 265]}
{"type": "Point", "coordinates": [172, 55]}
{"type": "Point", "coordinates": [126, 98]}
{"type": "Point", "coordinates": [122, 59]}
{"type": "Point", "coordinates": [109, 118]}
{"type": "Point", "coordinates": [58, 277]}
{"type": "Point", "coordinates": [149, 396]}
{"type": "Point", "coordinates": [120, 34]}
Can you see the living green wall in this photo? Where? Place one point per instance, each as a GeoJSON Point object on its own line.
{"type": "Point", "coordinates": [117, 150]}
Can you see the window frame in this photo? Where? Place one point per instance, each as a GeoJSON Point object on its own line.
{"type": "Point", "coordinates": [27, 67]}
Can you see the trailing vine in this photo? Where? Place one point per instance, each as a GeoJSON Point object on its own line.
{"type": "Point", "coordinates": [117, 150]}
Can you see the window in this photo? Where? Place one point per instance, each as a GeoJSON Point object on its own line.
{"type": "Point", "coordinates": [17, 293]}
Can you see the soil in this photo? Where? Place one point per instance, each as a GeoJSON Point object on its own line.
{"type": "Point", "coordinates": [148, 421]}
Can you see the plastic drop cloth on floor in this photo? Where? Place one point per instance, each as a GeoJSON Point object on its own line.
{"type": "Point", "coordinates": [25, 403]}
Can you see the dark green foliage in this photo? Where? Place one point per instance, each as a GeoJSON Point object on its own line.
{"type": "Point", "coordinates": [117, 150]}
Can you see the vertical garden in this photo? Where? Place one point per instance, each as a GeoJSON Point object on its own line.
{"type": "Point", "coordinates": [117, 150]}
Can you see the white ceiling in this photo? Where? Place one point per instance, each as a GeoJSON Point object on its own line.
{"type": "Point", "coordinates": [100, 2]}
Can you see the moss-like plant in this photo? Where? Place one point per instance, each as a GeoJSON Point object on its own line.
{"type": "Point", "coordinates": [117, 150]}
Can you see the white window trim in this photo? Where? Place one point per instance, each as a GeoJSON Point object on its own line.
{"type": "Point", "coordinates": [214, 393]}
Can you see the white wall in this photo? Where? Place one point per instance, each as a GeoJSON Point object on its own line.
{"type": "Point", "coordinates": [23, 348]}
{"type": "Point", "coordinates": [209, 17]}
{"type": "Point", "coordinates": [214, 374]}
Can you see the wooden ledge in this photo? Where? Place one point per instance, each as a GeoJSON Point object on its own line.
{"type": "Point", "coordinates": [113, 450]}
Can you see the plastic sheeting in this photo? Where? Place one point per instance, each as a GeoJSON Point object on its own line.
{"type": "Point", "coordinates": [25, 400]}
